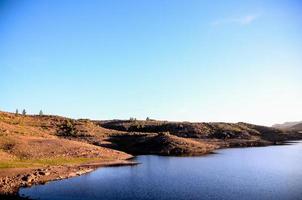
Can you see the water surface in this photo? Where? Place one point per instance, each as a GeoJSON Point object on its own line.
{"type": "Point", "coordinates": [273, 172]}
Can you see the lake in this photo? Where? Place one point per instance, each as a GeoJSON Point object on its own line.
{"type": "Point", "coordinates": [273, 172]}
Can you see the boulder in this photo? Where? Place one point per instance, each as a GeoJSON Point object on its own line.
{"type": "Point", "coordinates": [28, 178]}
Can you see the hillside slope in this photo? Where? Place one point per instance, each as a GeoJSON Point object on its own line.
{"type": "Point", "coordinates": [160, 144]}
{"type": "Point", "coordinates": [36, 149]}
{"type": "Point", "coordinates": [40, 139]}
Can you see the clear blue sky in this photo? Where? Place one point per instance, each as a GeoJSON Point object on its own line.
{"type": "Point", "coordinates": [165, 59]}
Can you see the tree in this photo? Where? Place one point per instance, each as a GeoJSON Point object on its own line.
{"type": "Point", "coordinates": [40, 113]}
{"type": "Point", "coordinates": [132, 119]}
{"type": "Point", "coordinates": [24, 112]}
{"type": "Point", "coordinates": [147, 119]}
{"type": "Point", "coordinates": [17, 112]}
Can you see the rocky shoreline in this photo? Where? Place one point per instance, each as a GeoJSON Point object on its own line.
{"type": "Point", "coordinates": [9, 185]}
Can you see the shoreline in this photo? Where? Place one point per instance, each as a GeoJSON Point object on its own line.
{"type": "Point", "coordinates": [27, 177]}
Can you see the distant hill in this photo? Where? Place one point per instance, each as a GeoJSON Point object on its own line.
{"type": "Point", "coordinates": [226, 132]}
{"type": "Point", "coordinates": [297, 127]}
{"type": "Point", "coordinates": [293, 126]}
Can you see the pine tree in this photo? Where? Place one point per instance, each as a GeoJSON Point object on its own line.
{"type": "Point", "coordinates": [24, 112]}
{"type": "Point", "coordinates": [40, 113]}
{"type": "Point", "coordinates": [17, 112]}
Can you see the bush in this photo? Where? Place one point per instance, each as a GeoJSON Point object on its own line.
{"type": "Point", "coordinates": [132, 119]}
{"type": "Point", "coordinates": [67, 129]}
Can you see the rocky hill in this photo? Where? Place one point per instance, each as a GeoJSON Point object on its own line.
{"type": "Point", "coordinates": [160, 144]}
{"type": "Point", "coordinates": [218, 130]}
{"type": "Point", "coordinates": [39, 137]}
{"type": "Point", "coordinates": [32, 143]}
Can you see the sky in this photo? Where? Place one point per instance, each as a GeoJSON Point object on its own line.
{"type": "Point", "coordinates": [178, 60]}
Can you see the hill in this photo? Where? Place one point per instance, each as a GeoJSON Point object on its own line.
{"type": "Point", "coordinates": [297, 127]}
{"type": "Point", "coordinates": [290, 126]}
{"type": "Point", "coordinates": [218, 130]}
{"type": "Point", "coordinates": [160, 144]}
{"type": "Point", "coordinates": [29, 143]}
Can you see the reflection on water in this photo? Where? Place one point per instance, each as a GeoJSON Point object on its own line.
{"type": "Point", "coordinates": [273, 172]}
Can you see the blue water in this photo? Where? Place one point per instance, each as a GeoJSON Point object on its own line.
{"type": "Point", "coordinates": [273, 172]}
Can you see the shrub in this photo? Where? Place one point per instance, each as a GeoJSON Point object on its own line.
{"type": "Point", "coordinates": [132, 119]}
{"type": "Point", "coordinates": [67, 129]}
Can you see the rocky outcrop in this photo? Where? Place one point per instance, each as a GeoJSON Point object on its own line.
{"type": "Point", "coordinates": [160, 144]}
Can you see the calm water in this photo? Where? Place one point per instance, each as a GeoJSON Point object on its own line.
{"type": "Point", "coordinates": [273, 172]}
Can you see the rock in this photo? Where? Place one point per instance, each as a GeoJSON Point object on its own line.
{"type": "Point", "coordinates": [72, 174]}
{"type": "Point", "coordinates": [44, 173]}
{"type": "Point", "coordinates": [23, 184]}
{"type": "Point", "coordinates": [41, 173]}
{"type": "Point", "coordinates": [5, 180]}
{"type": "Point", "coordinates": [28, 178]}
{"type": "Point", "coordinates": [81, 172]}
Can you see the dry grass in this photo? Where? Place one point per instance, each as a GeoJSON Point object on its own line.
{"type": "Point", "coordinates": [29, 163]}
{"type": "Point", "coordinates": [27, 141]}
